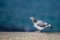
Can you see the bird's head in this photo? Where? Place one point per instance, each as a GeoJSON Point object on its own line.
{"type": "Point", "coordinates": [33, 19]}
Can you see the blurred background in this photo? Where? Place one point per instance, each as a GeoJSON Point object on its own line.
{"type": "Point", "coordinates": [15, 14]}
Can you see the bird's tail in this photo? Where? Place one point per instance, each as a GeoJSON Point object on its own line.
{"type": "Point", "coordinates": [50, 26]}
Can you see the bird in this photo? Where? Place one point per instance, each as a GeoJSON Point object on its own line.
{"type": "Point", "coordinates": [39, 24]}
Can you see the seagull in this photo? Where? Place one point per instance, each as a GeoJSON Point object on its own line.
{"type": "Point", "coordinates": [39, 24]}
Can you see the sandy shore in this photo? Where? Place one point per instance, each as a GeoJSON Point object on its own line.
{"type": "Point", "coordinates": [29, 36]}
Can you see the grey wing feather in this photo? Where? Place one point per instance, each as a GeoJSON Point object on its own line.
{"type": "Point", "coordinates": [42, 24]}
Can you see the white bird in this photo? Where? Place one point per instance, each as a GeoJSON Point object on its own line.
{"type": "Point", "coordinates": [39, 24]}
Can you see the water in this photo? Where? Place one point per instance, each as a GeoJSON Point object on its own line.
{"type": "Point", "coordinates": [15, 14]}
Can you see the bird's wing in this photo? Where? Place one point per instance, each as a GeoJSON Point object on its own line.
{"type": "Point", "coordinates": [41, 24]}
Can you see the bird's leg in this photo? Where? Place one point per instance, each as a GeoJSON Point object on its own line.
{"type": "Point", "coordinates": [39, 30]}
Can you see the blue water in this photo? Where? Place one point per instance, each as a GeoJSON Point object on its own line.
{"type": "Point", "coordinates": [15, 14]}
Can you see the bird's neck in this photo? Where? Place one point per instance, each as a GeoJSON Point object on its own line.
{"type": "Point", "coordinates": [34, 21]}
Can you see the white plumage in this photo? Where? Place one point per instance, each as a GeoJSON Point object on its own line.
{"type": "Point", "coordinates": [39, 24]}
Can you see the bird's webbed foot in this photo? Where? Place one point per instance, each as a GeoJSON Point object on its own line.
{"type": "Point", "coordinates": [38, 31]}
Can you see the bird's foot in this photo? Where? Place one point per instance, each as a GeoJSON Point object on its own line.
{"type": "Point", "coordinates": [38, 31]}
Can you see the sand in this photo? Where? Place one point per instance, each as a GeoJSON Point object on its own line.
{"type": "Point", "coordinates": [29, 36]}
